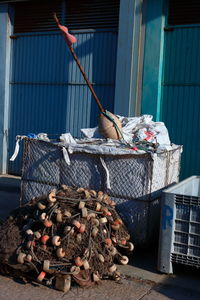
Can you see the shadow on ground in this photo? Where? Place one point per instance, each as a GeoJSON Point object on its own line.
{"type": "Point", "coordinates": [9, 194]}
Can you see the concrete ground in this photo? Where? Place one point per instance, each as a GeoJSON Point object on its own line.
{"type": "Point", "coordinates": [141, 279]}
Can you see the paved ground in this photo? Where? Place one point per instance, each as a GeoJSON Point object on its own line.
{"type": "Point", "coordinates": [141, 280]}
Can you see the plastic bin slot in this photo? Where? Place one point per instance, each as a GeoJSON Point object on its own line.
{"type": "Point", "coordinates": [194, 239]}
{"type": "Point", "coordinates": [180, 237]}
{"type": "Point", "coordinates": [187, 200]}
{"type": "Point", "coordinates": [194, 251]}
{"type": "Point", "coordinates": [180, 248]}
{"type": "Point", "coordinates": [194, 228]}
{"type": "Point", "coordinates": [182, 226]}
{"type": "Point", "coordinates": [182, 212]}
{"type": "Point", "coordinates": [185, 260]}
{"type": "Point", "coordinates": [195, 214]}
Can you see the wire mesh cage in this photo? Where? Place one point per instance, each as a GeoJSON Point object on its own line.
{"type": "Point", "coordinates": [134, 181]}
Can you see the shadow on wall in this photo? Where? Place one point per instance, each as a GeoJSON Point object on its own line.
{"type": "Point", "coordinates": [9, 194]}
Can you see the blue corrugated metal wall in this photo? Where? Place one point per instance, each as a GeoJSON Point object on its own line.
{"type": "Point", "coordinates": [181, 93]}
{"type": "Point", "coordinates": [48, 93]}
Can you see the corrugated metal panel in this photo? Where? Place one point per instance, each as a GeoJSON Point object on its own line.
{"type": "Point", "coordinates": [48, 93]}
{"type": "Point", "coordinates": [184, 12]}
{"type": "Point", "coordinates": [92, 14]}
{"type": "Point", "coordinates": [181, 94]}
{"type": "Point", "coordinates": [34, 16]}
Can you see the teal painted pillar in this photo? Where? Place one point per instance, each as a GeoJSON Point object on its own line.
{"type": "Point", "coordinates": [127, 57]}
{"type": "Point", "coordinates": [153, 58]}
{"type": "Point", "coordinates": [5, 28]}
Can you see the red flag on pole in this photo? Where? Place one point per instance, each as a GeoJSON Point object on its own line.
{"type": "Point", "coordinates": [69, 38]}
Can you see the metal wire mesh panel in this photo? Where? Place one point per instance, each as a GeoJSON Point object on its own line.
{"type": "Point", "coordinates": [84, 170]}
{"type": "Point", "coordinates": [130, 177]}
{"type": "Point", "coordinates": [135, 181]}
{"type": "Point", "coordinates": [141, 219]}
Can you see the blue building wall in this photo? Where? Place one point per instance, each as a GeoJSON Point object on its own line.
{"type": "Point", "coordinates": [5, 30]}
{"type": "Point", "coordinates": [116, 88]}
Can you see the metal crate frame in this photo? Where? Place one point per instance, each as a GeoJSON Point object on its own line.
{"type": "Point", "coordinates": [180, 226]}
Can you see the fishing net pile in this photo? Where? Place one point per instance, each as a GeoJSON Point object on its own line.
{"type": "Point", "coordinates": [68, 235]}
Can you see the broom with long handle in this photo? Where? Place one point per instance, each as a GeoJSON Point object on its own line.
{"type": "Point", "coordinates": [109, 125]}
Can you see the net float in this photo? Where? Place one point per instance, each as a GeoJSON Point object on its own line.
{"type": "Point", "coordinates": [46, 267]}
{"type": "Point", "coordinates": [101, 258]}
{"type": "Point", "coordinates": [112, 203]}
{"type": "Point", "coordinates": [100, 195]}
{"type": "Point", "coordinates": [67, 229]}
{"type": "Point", "coordinates": [112, 268]}
{"type": "Point", "coordinates": [95, 231]}
{"type": "Point", "coordinates": [44, 239]}
{"type": "Point", "coordinates": [105, 231]}
{"type": "Point", "coordinates": [75, 270]}
{"type": "Point", "coordinates": [106, 199]}
{"type": "Point", "coordinates": [84, 212]}
{"type": "Point", "coordinates": [123, 260]}
{"type": "Point", "coordinates": [41, 206]}
{"type": "Point", "coordinates": [44, 247]}
{"type": "Point", "coordinates": [113, 251]}
{"type": "Point", "coordinates": [80, 190]}
{"type": "Point", "coordinates": [76, 223]}
{"type": "Point", "coordinates": [43, 216]}
{"type": "Point", "coordinates": [30, 244]}
{"type": "Point", "coordinates": [93, 193]}
{"type": "Point", "coordinates": [21, 258]}
{"type": "Point", "coordinates": [115, 227]}
{"type": "Point", "coordinates": [59, 217]}
{"type": "Point", "coordinates": [81, 204]}
{"type": "Point", "coordinates": [103, 220]}
{"type": "Point", "coordinates": [95, 222]}
{"type": "Point", "coordinates": [117, 276]}
{"type": "Point", "coordinates": [113, 238]}
{"type": "Point", "coordinates": [41, 276]}
{"type": "Point", "coordinates": [72, 231]}
{"type": "Point", "coordinates": [118, 221]}
{"type": "Point", "coordinates": [82, 228]}
{"type": "Point", "coordinates": [56, 240]}
{"type": "Point", "coordinates": [87, 194]}
{"type": "Point", "coordinates": [98, 206]}
{"type": "Point", "coordinates": [29, 257]}
{"type": "Point", "coordinates": [47, 223]}
{"type": "Point", "coordinates": [67, 213]}
{"type": "Point", "coordinates": [52, 197]}
{"type": "Point", "coordinates": [86, 265]}
{"type": "Point", "coordinates": [123, 242]}
{"type": "Point", "coordinates": [64, 187]}
{"type": "Point", "coordinates": [106, 212]}
{"type": "Point", "coordinates": [37, 235]}
{"type": "Point", "coordinates": [108, 242]}
{"type": "Point", "coordinates": [130, 246]}
{"type": "Point", "coordinates": [29, 232]}
{"type": "Point", "coordinates": [79, 237]}
{"type": "Point", "coordinates": [60, 252]}
{"type": "Point", "coordinates": [78, 261]}
{"type": "Point", "coordinates": [90, 216]}
{"type": "Point", "coordinates": [95, 276]}
{"type": "Point", "coordinates": [63, 283]}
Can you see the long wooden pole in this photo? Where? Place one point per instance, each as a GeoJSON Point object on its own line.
{"type": "Point", "coordinates": [83, 73]}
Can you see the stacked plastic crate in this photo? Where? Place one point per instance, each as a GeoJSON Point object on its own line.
{"type": "Point", "coordinates": [180, 225]}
